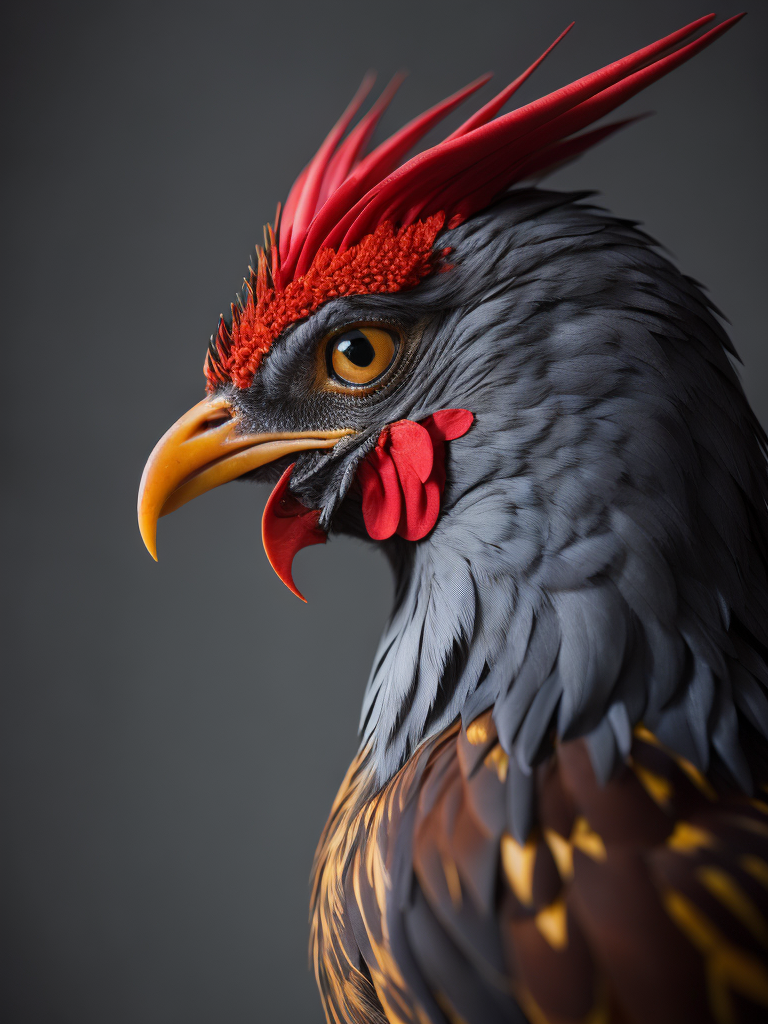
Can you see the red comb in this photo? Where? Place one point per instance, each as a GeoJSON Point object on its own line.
{"type": "Point", "coordinates": [342, 197]}
{"type": "Point", "coordinates": [473, 157]}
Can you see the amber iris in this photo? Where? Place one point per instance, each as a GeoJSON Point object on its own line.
{"type": "Point", "coordinates": [360, 355]}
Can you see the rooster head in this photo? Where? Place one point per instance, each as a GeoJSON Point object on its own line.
{"type": "Point", "coordinates": [339, 372]}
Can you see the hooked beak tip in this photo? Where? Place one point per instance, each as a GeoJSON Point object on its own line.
{"type": "Point", "coordinates": [148, 535]}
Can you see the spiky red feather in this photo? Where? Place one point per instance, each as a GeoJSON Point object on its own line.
{"type": "Point", "coordinates": [345, 200]}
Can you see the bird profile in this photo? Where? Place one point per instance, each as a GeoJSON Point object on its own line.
{"type": "Point", "coordinates": [558, 812]}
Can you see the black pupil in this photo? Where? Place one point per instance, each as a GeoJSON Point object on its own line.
{"type": "Point", "coordinates": [355, 347]}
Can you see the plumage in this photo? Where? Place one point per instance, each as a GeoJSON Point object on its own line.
{"type": "Point", "coordinates": [558, 810]}
{"type": "Point", "coordinates": [634, 899]}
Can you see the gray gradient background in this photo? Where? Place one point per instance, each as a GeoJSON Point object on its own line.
{"type": "Point", "coordinates": [173, 734]}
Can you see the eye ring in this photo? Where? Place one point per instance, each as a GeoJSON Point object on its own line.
{"type": "Point", "coordinates": [360, 355]}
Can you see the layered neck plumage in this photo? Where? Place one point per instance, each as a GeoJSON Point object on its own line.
{"type": "Point", "coordinates": [601, 554]}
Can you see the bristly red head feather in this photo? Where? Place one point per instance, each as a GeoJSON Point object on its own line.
{"type": "Point", "coordinates": [356, 223]}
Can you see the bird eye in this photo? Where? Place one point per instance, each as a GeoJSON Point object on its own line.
{"type": "Point", "coordinates": [360, 355]}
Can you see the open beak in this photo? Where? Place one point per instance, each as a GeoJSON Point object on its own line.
{"type": "Point", "coordinates": [204, 449]}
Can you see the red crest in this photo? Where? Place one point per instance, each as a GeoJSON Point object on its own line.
{"type": "Point", "coordinates": [358, 224]}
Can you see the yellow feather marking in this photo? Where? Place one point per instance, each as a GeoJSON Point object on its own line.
{"type": "Point", "coordinates": [392, 1016]}
{"type": "Point", "coordinates": [552, 922]}
{"type": "Point", "coordinates": [731, 895]}
{"type": "Point", "coordinates": [760, 805]}
{"type": "Point", "coordinates": [646, 735]}
{"type": "Point", "coordinates": [658, 788]}
{"type": "Point", "coordinates": [402, 998]}
{"type": "Point", "coordinates": [328, 958]}
{"type": "Point", "coordinates": [688, 838]}
{"type": "Point", "coordinates": [532, 1010]}
{"type": "Point", "coordinates": [756, 867]}
{"type": "Point", "coordinates": [381, 884]}
{"type": "Point", "coordinates": [368, 814]}
{"type": "Point", "coordinates": [448, 1010]}
{"type": "Point", "coordinates": [728, 967]}
{"type": "Point", "coordinates": [693, 773]}
{"type": "Point", "coordinates": [452, 880]}
{"type": "Point", "coordinates": [385, 974]}
{"type": "Point", "coordinates": [479, 731]}
{"type": "Point", "coordinates": [599, 1014]}
{"type": "Point", "coordinates": [587, 840]}
{"type": "Point", "coordinates": [497, 761]}
{"type": "Point", "coordinates": [518, 862]}
{"type": "Point", "coordinates": [562, 851]}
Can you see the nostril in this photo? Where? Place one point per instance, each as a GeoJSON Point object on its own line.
{"type": "Point", "coordinates": [216, 419]}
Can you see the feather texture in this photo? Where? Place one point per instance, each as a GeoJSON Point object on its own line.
{"type": "Point", "coordinates": [645, 897]}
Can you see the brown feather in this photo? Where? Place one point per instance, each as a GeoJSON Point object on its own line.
{"type": "Point", "coordinates": [643, 901]}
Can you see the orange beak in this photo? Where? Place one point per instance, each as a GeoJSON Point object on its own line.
{"type": "Point", "coordinates": [204, 449]}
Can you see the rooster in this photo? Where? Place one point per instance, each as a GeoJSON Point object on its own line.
{"type": "Point", "coordinates": [558, 812]}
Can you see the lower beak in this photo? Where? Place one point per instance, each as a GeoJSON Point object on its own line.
{"type": "Point", "coordinates": [204, 449]}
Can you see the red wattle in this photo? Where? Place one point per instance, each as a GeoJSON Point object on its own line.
{"type": "Point", "coordinates": [449, 423]}
{"type": "Point", "coordinates": [382, 496]}
{"type": "Point", "coordinates": [287, 526]}
{"type": "Point", "coordinates": [403, 478]}
{"type": "Point", "coordinates": [410, 445]}
{"type": "Point", "coordinates": [402, 481]}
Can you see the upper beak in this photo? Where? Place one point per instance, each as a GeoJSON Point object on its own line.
{"type": "Point", "coordinates": [204, 449]}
